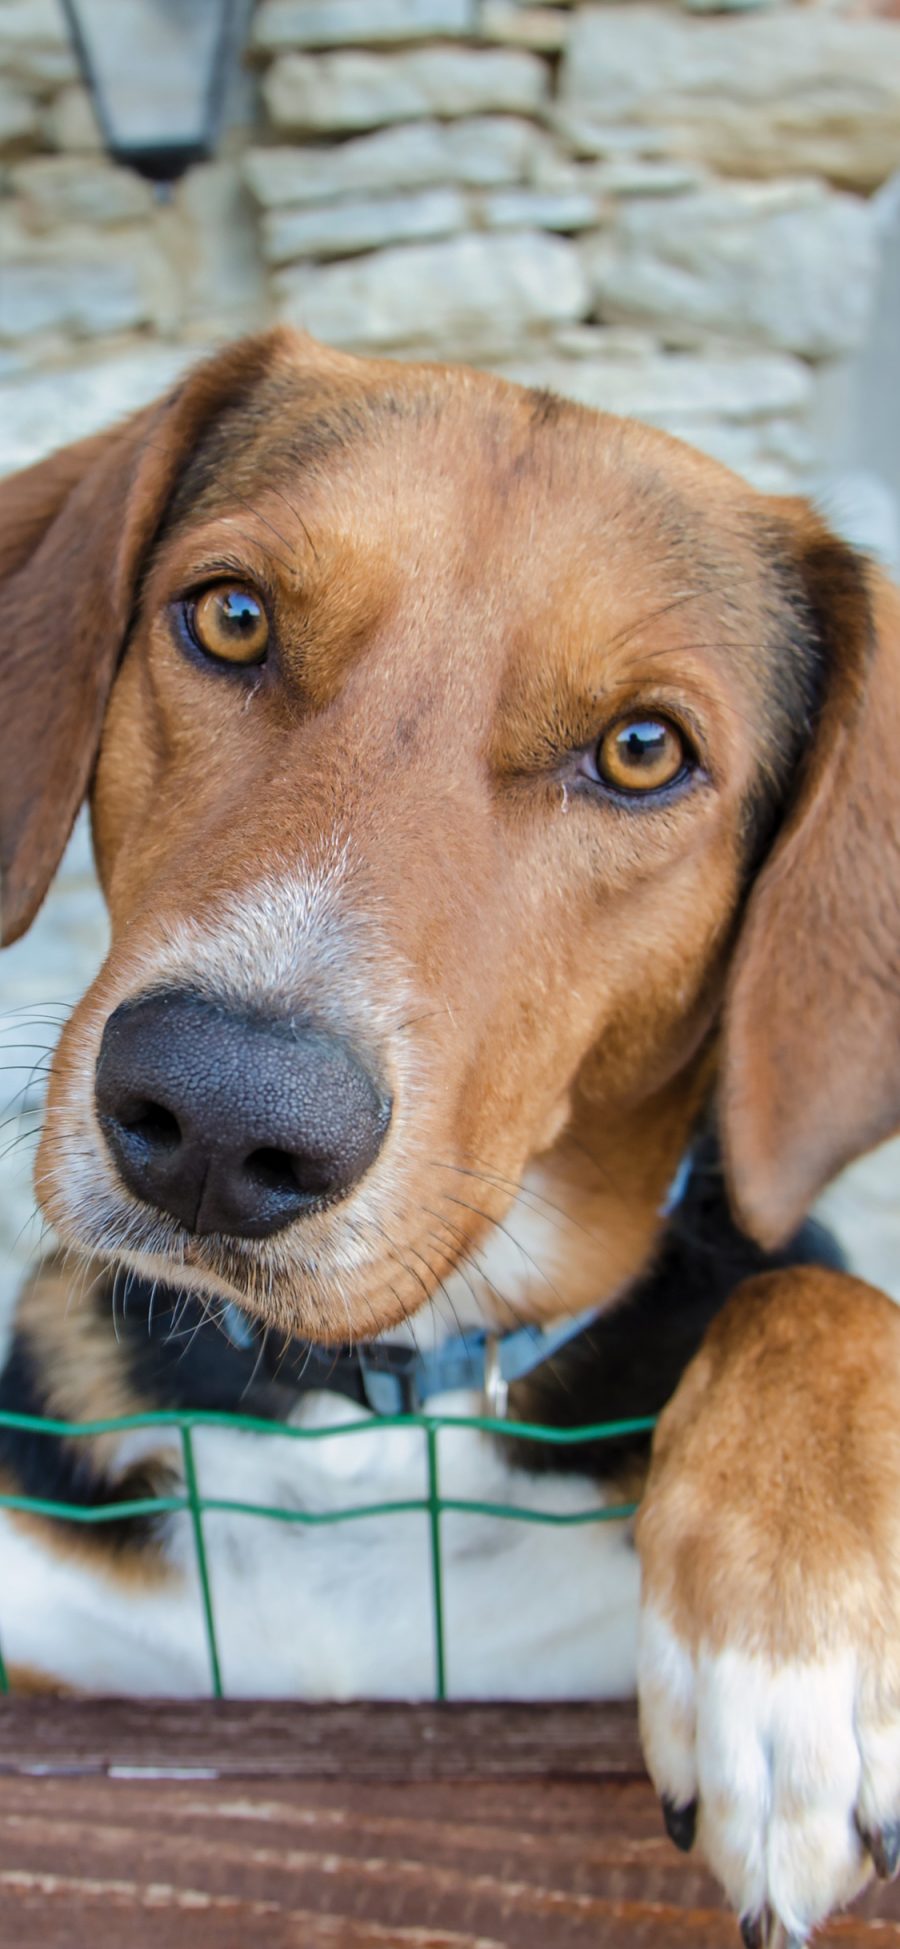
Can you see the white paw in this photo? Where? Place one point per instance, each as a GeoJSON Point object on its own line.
{"type": "Point", "coordinates": [787, 1775]}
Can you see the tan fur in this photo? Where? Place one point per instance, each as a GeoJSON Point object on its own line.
{"type": "Point", "coordinates": [771, 1519]}
{"type": "Point", "coordinates": [99, 1390]}
{"type": "Point", "coordinates": [27, 1683]}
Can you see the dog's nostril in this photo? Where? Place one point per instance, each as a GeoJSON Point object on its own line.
{"type": "Point", "coordinates": [272, 1169]}
{"type": "Point", "coordinates": [154, 1123]}
{"type": "Point", "coordinates": [280, 1170]}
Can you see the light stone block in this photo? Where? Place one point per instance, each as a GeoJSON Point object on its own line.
{"type": "Point", "coordinates": [678, 392]}
{"type": "Point", "coordinates": [520, 209]}
{"type": "Point", "coordinates": [550, 168]}
{"type": "Point", "coordinates": [342, 229]}
{"type": "Point", "coordinates": [281, 24]}
{"type": "Point", "coordinates": [604, 342]}
{"type": "Point", "coordinates": [71, 123]}
{"type": "Point", "coordinates": [786, 265]}
{"type": "Point", "coordinates": [329, 93]}
{"type": "Point", "coordinates": [643, 176]}
{"type": "Point", "coordinates": [223, 276]}
{"type": "Point", "coordinates": [482, 151]}
{"type": "Point", "coordinates": [47, 410]}
{"type": "Point", "coordinates": [786, 92]}
{"type": "Point", "coordinates": [19, 120]}
{"type": "Point", "coordinates": [68, 189]}
{"type": "Point", "coordinates": [727, 6]}
{"type": "Point", "coordinates": [83, 298]}
{"type": "Point", "coordinates": [463, 296]}
{"type": "Point", "coordinates": [35, 45]}
{"type": "Point", "coordinates": [584, 135]}
{"type": "Point", "coordinates": [544, 29]}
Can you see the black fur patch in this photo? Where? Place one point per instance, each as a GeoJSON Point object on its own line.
{"type": "Point", "coordinates": [821, 607]}
{"type": "Point", "coordinates": [176, 1356]}
{"type": "Point", "coordinates": [629, 1363]}
{"type": "Point", "coordinates": [50, 1468]}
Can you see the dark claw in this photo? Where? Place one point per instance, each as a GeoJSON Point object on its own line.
{"type": "Point", "coordinates": [681, 1823]}
{"type": "Point", "coordinates": [763, 1931]}
{"type": "Point", "coordinates": [883, 1844]}
{"type": "Point", "coordinates": [756, 1929]}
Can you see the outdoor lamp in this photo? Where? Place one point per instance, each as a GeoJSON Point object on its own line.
{"type": "Point", "coordinates": [156, 70]}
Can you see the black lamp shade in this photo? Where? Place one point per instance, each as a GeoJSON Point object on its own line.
{"type": "Point", "coordinates": [156, 70]}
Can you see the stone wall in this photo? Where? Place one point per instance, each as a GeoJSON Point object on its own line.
{"type": "Point", "coordinates": [671, 210]}
{"type": "Point", "coordinates": [664, 209]}
{"type": "Point", "coordinates": [660, 212]}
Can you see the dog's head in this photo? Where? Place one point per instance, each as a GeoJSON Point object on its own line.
{"type": "Point", "coordinates": [476, 780]}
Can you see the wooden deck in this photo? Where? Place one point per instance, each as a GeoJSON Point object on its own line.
{"type": "Point", "coordinates": [361, 1827]}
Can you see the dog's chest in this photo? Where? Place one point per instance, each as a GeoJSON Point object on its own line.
{"type": "Point", "coordinates": [346, 1608]}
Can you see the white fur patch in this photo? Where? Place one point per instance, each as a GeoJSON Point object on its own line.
{"type": "Point", "coordinates": [344, 1611]}
{"type": "Point", "coordinates": [781, 1758]}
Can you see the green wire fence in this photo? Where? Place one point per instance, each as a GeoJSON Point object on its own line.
{"type": "Point", "coordinates": [197, 1506]}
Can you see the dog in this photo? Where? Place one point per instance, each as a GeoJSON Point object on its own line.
{"type": "Point", "coordinates": [497, 809]}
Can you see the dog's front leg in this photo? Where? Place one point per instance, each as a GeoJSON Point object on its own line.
{"type": "Point", "coordinates": [769, 1665]}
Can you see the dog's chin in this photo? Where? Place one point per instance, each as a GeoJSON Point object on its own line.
{"type": "Point", "coordinates": [222, 1271]}
{"type": "Point", "coordinates": [324, 1287]}
{"type": "Point", "coordinates": [189, 1274]}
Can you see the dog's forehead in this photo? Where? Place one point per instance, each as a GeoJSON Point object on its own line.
{"type": "Point", "coordinates": [374, 440]}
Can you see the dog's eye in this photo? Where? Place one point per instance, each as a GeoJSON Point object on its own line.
{"type": "Point", "coordinates": [641, 754]}
{"type": "Point", "coordinates": [229, 623]}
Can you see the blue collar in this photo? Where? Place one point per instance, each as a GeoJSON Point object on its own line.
{"type": "Point", "coordinates": [394, 1380]}
{"type": "Point", "coordinates": [389, 1379]}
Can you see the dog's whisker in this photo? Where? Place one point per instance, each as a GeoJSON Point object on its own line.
{"type": "Point", "coordinates": [114, 1304]}
{"type": "Point", "coordinates": [381, 1231]}
{"type": "Point", "coordinates": [22, 1137]}
{"type": "Point", "coordinates": [518, 1189]}
{"type": "Point", "coordinates": [470, 1254]}
{"type": "Point", "coordinates": [258, 1362]}
{"type": "Point", "coordinates": [446, 1263]}
{"type": "Point", "coordinates": [23, 1228]}
{"type": "Point", "coordinates": [273, 489]}
{"type": "Point", "coordinates": [621, 638]}
{"type": "Point", "coordinates": [258, 515]}
{"type": "Point", "coordinates": [517, 1243]}
{"type": "Point", "coordinates": [457, 1254]}
{"type": "Point", "coordinates": [29, 1010]}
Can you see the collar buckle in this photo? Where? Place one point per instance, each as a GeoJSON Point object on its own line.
{"type": "Point", "coordinates": [496, 1385]}
{"type": "Point", "coordinates": [390, 1379]}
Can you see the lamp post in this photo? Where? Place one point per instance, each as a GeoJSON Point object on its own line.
{"type": "Point", "coordinates": [156, 70]}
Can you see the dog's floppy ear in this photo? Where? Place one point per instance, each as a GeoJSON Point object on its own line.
{"type": "Point", "coordinates": [74, 531]}
{"type": "Point", "coordinates": [810, 1072]}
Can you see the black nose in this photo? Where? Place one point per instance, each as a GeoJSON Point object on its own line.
{"type": "Point", "coordinates": [233, 1123]}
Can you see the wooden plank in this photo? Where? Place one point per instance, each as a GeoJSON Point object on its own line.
{"type": "Point", "coordinates": [535, 1864]}
{"type": "Point", "coordinates": [504, 1864]}
{"type": "Point", "coordinates": [362, 1827]}
{"type": "Point", "coordinates": [352, 1742]}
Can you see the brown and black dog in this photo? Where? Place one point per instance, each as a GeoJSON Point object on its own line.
{"type": "Point", "coordinates": [488, 795]}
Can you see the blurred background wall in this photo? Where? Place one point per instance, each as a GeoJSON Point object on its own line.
{"type": "Point", "coordinates": [685, 212]}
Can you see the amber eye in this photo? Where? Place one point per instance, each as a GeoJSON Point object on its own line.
{"type": "Point", "coordinates": [230, 623]}
{"type": "Point", "coordinates": [641, 754]}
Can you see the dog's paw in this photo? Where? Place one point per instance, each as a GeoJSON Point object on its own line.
{"type": "Point", "coordinates": [785, 1775]}
{"type": "Point", "coordinates": [769, 1660]}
